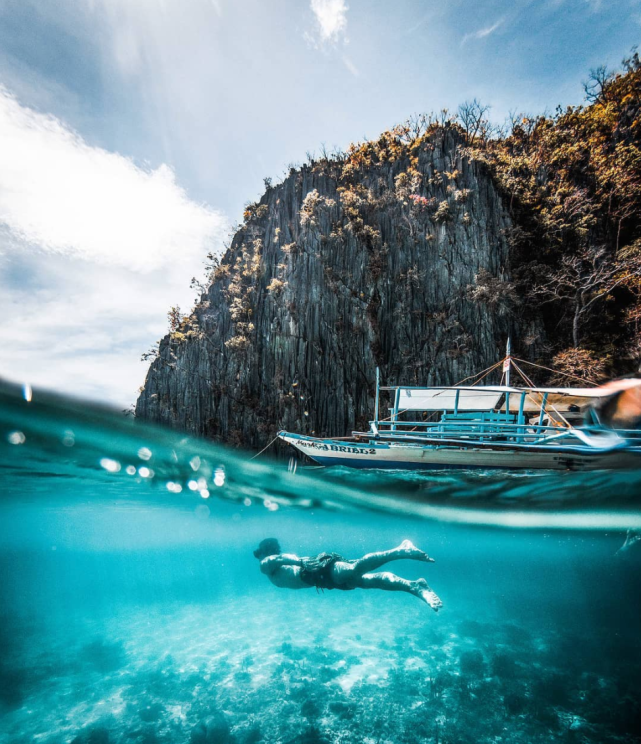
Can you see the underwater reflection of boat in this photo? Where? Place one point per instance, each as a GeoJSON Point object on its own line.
{"type": "Point", "coordinates": [494, 426]}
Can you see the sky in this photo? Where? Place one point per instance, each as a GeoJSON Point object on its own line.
{"type": "Point", "coordinates": [133, 132]}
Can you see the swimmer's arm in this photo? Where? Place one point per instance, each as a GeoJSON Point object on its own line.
{"type": "Point", "coordinates": [274, 562]}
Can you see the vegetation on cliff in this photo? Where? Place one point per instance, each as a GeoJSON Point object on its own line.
{"type": "Point", "coordinates": [573, 181]}
{"type": "Point", "coordinates": [574, 185]}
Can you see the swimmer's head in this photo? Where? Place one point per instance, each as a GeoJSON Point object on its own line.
{"type": "Point", "coordinates": [268, 546]}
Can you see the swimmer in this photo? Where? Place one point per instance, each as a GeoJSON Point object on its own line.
{"type": "Point", "coordinates": [632, 538]}
{"type": "Point", "coordinates": [332, 571]}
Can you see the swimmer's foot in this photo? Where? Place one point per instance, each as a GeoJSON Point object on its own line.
{"type": "Point", "coordinates": [413, 552]}
{"type": "Point", "coordinates": [427, 595]}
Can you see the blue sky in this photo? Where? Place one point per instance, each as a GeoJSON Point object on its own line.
{"type": "Point", "coordinates": [132, 132]}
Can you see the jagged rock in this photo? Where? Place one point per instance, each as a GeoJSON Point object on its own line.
{"type": "Point", "coordinates": [211, 730]}
{"type": "Point", "coordinates": [151, 712]}
{"type": "Point", "coordinates": [95, 735]}
{"type": "Point", "coordinates": [334, 272]}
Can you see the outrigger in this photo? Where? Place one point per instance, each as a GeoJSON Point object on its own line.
{"type": "Point", "coordinates": [473, 426]}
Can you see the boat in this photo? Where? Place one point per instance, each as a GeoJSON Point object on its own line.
{"type": "Point", "coordinates": [481, 427]}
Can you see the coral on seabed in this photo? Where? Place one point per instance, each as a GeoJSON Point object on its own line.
{"type": "Point", "coordinates": [233, 675]}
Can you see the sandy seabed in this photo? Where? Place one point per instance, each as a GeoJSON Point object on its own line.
{"type": "Point", "coordinates": [282, 668]}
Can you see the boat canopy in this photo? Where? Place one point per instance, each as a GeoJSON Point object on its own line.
{"type": "Point", "coordinates": [490, 397]}
{"type": "Point", "coordinates": [593, 392]}
{"type": "Point", "coordinates": [445, 399]}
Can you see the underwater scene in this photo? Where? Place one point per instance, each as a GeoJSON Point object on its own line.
{"type": "Point", "coordinates": [134, 610]}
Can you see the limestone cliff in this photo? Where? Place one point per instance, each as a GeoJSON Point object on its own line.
{"type": "Point", "coordinates": [395, 255]}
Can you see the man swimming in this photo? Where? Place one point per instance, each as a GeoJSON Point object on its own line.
{"type": "Point", "coordinates": [332, 571]}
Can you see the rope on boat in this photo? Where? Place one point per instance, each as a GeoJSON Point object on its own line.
{"type": "Point", "coordinates": [265, 448]}
{"type": "Point", "coordinates": [491, 369]}
{"type": "Point", "coordinates": [531, 384]}
{"type": "Point", "coordinates": [557, 372]}
{"type": "Point", "coordinates": [486, 371]}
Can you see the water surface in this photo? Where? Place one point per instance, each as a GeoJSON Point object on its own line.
{"type": "Point", "coordinates": [133, 610]}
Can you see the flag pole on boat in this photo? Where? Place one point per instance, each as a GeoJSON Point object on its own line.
{"type": "Point", "coordinates": [507, 364]}
{"type": "Point", "coordinates": [378, 386]}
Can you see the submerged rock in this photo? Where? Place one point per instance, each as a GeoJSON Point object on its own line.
{"type": "Point", "coordinates": [152, 712]}
{"type": "Point", "coordinates": [94, 735]}
{"type": "Point", "coordinates": [472, 663]}
{"type": "Point", "coordinates": [103, 655]}
{"type": "Point", "coordinates": [12, 682]}
{"type": "Point", "coordinates": [312, 735]}
{"type": "Point", "coordinates": [252, 735]}
{"type": "Point", "coordinates": [146, 735]}
{"type": "Point", "coordinates": [212, 730]}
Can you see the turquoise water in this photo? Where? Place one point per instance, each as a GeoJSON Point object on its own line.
{"type": "Point", "coordinates": [133, 610]}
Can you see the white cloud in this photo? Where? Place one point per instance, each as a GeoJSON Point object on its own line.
{"type": "Point", "coordinates": [77, 327]}
{"type": "Point", "coordinates": [93, 252]}
{"type": "Point", "coordinates": [331, 19]}
{"type": "Point", "coordinates": [67, 197]}
{"type": "Point", "coordinates": [482, 32]}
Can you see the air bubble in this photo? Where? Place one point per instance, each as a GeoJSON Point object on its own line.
{"type": "Point", "coordinates": [111, 466]}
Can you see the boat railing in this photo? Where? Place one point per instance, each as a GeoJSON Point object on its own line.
{"type": "Point", "coordinates": [498, 422]}
{"type": "Point", "coordinates": [490, 429]}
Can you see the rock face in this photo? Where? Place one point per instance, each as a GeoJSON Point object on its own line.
{"type": "Point", "coordinates": [398, 258]}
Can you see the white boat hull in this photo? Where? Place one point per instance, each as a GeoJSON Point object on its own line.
{"type": "Point", "coordinates": [410, 456]}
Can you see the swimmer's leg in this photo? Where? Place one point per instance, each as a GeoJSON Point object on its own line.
{"type": "Point", "coordinates": [405, 551]}
{"type": "Point", "coordinates": [392, 583]}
